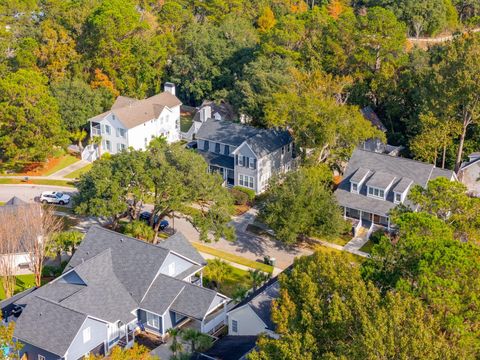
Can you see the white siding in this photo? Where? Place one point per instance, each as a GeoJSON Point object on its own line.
{"type": "Point", "coordinates": [248, 323]}
{"type": "Point", "coordinates": [175, 263]}
{"type": "Point", "coordinates": [98, 335]}
{"type": "Point", "coordinates": [114, 124]}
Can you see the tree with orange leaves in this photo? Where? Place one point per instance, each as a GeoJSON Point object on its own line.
{"type": "Point", "coordinates": [101, 80]}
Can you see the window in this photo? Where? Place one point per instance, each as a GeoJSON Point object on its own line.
{"type": "Point", "coordinates": [252, 163]}
{"type": "Point", "coordinates": [288, 147]}
{"type": "Point", "coordinates": [354, 187]}
{"type": "Point", "coordinates": [41, 357]}
{"type": "Point", "coordinates": [108, 129]}
{"type": "Point", "coordinates": [217, 147]}
{"type": "Point", "coordinates": [382, 193]}
{"type": "Point", "coordinates": [234, 326]}
{"type": "Point", "coordinates": [153, 320]}
{"type": "Point", "coordinates": [108, 145]}
{"type": "Point", "coordinates": [86, 335]}
{"type": "Point", "coordinates": [283, 150]}
{"type": "Point", "coordinates": [246, 181]}
{"type": "Point", "coordinates": [226, 150]}
{"type": "Point", "coordinates": [370, 191]}
{"type": "Point", "coordinates": [206, 145]}
{"type": "Point", "coordinates": [245, 161]}
{"type": "Point", "coordinates": [398, 198]}
{"type": "Point", "coordinates": [122, 132]}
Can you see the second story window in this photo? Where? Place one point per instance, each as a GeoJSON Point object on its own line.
{"type": "Point", "coordinates": [252, 163]}
{"type": "Point", "coordinates": [226, 150]}
{"type": "Point", "coordinates": [283, 150]}
{"type": "Point", "coordinates": [217, 148]}
{"type": "Point", "coordinates": [108, 129]}
{"type": "Point", "coordinates": [398, 198]}
{"type": "Point", "coordinates": [206, 145]}
{"type": "Point", "coordinates": [354, 187]}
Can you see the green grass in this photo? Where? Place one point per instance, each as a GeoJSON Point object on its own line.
{"type": "Point", "coordinates": [24, 282]}
{"type": "Point", "coordinates": [63, 163]}
{"type": "Point", "coordinates": [38, 182]}
{"type": "Point", "coordinates": [2, 203]}
{"type": "Point", "coordinates": [341, 240]}
{"type": "Point", "coordinates": [233, 258]}
{"type": "Point", "coordinates": [233, 281]}
{"type": "Point", "coordinates": [367, 247]}
{"type": "Point", "coordinates": [76, 174]}
{"type": "Point", "coordinates": [185, 123]}
{"type": "Point", "coordinates": [352, 257]}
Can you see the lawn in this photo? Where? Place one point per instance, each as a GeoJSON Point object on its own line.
{"type": "Point", "coordinates": [233, 281]}
{"type": "Point", "coordinates": [341, 240]}
{"type": "Point", "coordinates": [60, 163]}
{"type": "Point", "coordinates": [185, 122]}
{"type": "Point", "coordinates": [328, 250]}
{"type": "Point", "coordinates": [24, 282]}
{"type": "Point", "coordinates": [76, 174]}
{"type": "Point", "coordinates": [367, 247]}
{"type": "Point", "coordinates": [38, 182]}
{"type": "Point", "coordinates": [233, 258]}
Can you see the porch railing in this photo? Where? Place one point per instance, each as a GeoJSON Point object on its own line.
{"type": "Point", "coordinates": [220, 319]}
{"type": "Point", "coordinates": [96, 131]}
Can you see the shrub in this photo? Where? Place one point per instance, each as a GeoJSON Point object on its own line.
{"type": "Point", "coordinates": [377, 236]}
{"type": "Point", "coordinates": [239, 197]}
{"type": "Point", "coordinates": [250, 193]}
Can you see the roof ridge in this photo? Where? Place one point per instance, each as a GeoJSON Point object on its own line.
{"type": "Point", "coordinates": [59, 304]}
{"type": "Point", "coordinates": [400, 158]}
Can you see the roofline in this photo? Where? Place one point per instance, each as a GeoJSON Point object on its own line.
{"type": "Point", "coordinates": [183, 256]}
{"type": "Point", "coordinates": [245, 142]}
{"type": "Point", "coordinates": [253, 311]}
{"type": "Point", "coordinates": [469, 164]}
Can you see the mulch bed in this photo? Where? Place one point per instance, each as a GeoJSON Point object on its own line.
{"type": "Point", "coordinates": [148, 340]}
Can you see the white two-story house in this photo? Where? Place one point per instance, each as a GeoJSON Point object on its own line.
{"type": "Point", "coordinates": [244, 155]}
{"type": "Point", "coordinates": [134, 123]}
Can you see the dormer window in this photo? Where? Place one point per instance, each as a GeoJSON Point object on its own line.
{"type": "Point", "coordinates": [376, 192]}
{"type": "Point", "coordinates": [398, 198]}
{"type": "Point", "coordinates": [354, 187]}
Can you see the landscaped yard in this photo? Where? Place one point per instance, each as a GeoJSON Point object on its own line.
{"type": "Point", "coordinates": [367, 247]}
{"type": "Point", "coordinates": [233, 258]}
{"type": "Point", "coordinates": [23, 282]}
{"type": "Point", "coordinates": [341, 240]}
{"type": "Point", "coordinates": [236, 279]}
{"type": "Point", "coordinates": [76, 174]}
{"type": "Point", "coordinates": [38, 182]}
{"type": "Point", "coordinates": [328, 250]}
{"type": "Point", "coordinates": [59, 164]}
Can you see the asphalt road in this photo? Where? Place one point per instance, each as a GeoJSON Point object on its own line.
{"type": "Point", "coordinates": [29, 192]}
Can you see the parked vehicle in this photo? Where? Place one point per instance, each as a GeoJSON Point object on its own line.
{"type": "Point", "coordinates": [192, 145]}
{"type": "Point", "coordinates": [146, 215]}
{"type": "Point", "coordinates": [54, 197]}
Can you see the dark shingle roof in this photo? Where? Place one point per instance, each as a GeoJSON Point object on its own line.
{"type": "Point", "coordinates": [261, 141]}
{"type": "Point", "coordinates": [386, 167]}
{"type": "Point", "coordinates": [229, 348]}
{"type": "Point", "coordinates": [217, 159]}
{"type": "Point", "coordinates": [161, 294]}
{"type": "Point", "coordinates": [402, 185]}
{"type": "Point", "coordinates": [179, 244]}
{"type": "Point", "coordinates": [194, 301]}
{"type": "Point", "coordinates": [262, 304]}
{"type": "Point", "coordinates": [48, 325]}
{"type": "Point", "coordinates": [359, 175]}
{"type": "Point", "coordinates": [135, 262]}
{"type": "Point", "coordinates": [380, 179]}
{"type": "Point", "coordinates": [15, 201]}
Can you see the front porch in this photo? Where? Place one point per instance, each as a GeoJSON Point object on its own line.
{"type": "Point", "coordinates": [366, 220]}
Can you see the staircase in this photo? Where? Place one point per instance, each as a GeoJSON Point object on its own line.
{"type": "Point", "coordinates": [90, 153]}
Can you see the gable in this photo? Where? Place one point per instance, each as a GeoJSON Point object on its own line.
{"type": "Point", "coordinates": [245, 150]}
{"type": "Point", "coordinates": [174, 265]}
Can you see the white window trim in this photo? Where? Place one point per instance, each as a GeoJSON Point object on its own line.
{"type": "Point", "coordinates": [41, 357]}
{"type": "Point", "coordinates": [372, 194]}
{"type": "Point", "coordinates": [153, 320]}
{"type": "Point", "coordinates": [234, 326]}
{"type": "Point", "coordinates": [395, 194]}
{"type": "Point", "coordinates": [352, 189]}
{"type": "Point", "coordinates": [86, 335]}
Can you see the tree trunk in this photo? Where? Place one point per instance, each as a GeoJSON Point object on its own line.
{"type": "Point", "coordinates": [458, 162]}
{"type": "Point", "coordinates": [444, 155]}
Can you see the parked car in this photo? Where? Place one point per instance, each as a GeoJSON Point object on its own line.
{"type": "Point", "coordinates": [192, 145]}
{"type": "Point", "coordinates": [54, 197]}
{"type": "Point", "coordinates": [146, 215]}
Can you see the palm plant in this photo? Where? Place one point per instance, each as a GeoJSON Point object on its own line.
{"type": "Point", "coordinates": [176, 346]}
{"type": "Point", "coordinates": [217, 270]}
{"type": "Point", "coordinates": [198, 341]}
{"type": "Point", "coordinates": [258, 278]}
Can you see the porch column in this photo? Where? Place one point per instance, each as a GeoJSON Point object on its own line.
{"type": "Point", "coordinates": [361, 213]}
{"type": "Point", "coordinates": [345, 213]}
{"type": "Point", "coordinates": [388, 223]}
{"type": "Point", "coordinates": [201, 278]}
{"type": "Point", "coordinates": [225, 312]}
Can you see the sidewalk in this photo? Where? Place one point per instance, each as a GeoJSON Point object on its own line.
{"type": "Point", "coordinates": [60, 174]}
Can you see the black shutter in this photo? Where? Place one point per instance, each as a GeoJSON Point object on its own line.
{"type": "Point", "coordinates": [255, 163]}
{"type": "Point", "coordinates": [236, 159]}
{"type": "Point", "coordinates": [245, 161]}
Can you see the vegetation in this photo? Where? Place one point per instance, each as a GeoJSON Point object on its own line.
{"type": "Point", "coordinates": [137, 352]}
{"type": "Point", "coordinates": [301, 203]}
{"type": "Point", "coordinates": [63, 163]}
{"type": "Point", "coordinates": [22, 282]}
{"type": "Point", "coordinates": [233, 258]}
{"type": "Point", "coordinates": [76, 174]}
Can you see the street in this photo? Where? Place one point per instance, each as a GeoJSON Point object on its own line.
{"type": "Point", "coordinates": [29, 192]}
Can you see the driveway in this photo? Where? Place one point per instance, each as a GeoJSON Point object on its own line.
{"type": "Point", "coordinates": [29, 192]}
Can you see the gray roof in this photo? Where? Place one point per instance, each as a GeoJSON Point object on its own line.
{"type": "Point", "coordinates": [194, 301]}
{"type": "Point", "coordinates": [218, 159]}
{"type": "Point", "coordinates": [359, 175]}
{"type": "Point", "coordinates": [135, 262]}
{"type": "Point", "coordinates": [179, 244]}
{"type": "Point", "coordinates": [48, 325]}
{"type": "Point", "coordinates": [402, 185]}
{"type": "Point", "coordinates": [16, 201]}
{"type": "Point", "coordinates": [371, 116]}
{"type": "Point", "coordinates": [192, 269]}
{"type": "Point", "coordinates": [262, 304]}
{"type": "Point", "coordinates": [161, 294]}
{"type": "Point", "coordinates": [381, 179]}
{"type": "Point", "coordinates": [261, 141]}
{"type": "Point", "coordinates": [386, 167]}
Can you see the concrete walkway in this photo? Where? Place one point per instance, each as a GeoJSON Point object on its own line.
{"type": "Point", "coordinates": [69, 169]}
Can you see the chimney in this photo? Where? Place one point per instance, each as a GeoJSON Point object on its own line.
{"type": "Point", "coordinates": [169, 87]}
{"type": "Point", "coordinates": [205, 113]}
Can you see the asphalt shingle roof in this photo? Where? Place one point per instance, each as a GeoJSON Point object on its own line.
{"type": "Point", "coordinates": [48, 325]}
{"type": "Point", "coordinates": [179, 244]}
{"type": "Point", "coordinates": [386, 167]}
{"type": "Point", "coordinates": [380, 179]}
{"type": "Point", "coordinates": [262, 304]}
{"type": "Point", "coordinates": [261, 141]}
{"type": "Point", "coordinates": [161, 294]}
{"type": "Point", "coordinates": [15, 201]}
{"type": "Point", "coordinates": [194, 301]}
{"type": "Point", "coordinates": [218, 159]}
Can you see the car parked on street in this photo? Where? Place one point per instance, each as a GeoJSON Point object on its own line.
{"type": "Point", "coordinates": [54, 197]}
{"type": "Point", "coordinates": [146, 215]}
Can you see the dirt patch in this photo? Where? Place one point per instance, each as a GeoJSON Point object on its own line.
{"type": "Point", "coordinates": [148, 340]}
{"type": "Point", "coordinates": [38, 169]}
{"type": "Point", "coordinates": [241, 209]}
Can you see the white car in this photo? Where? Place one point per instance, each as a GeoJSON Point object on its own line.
{"type": "Point", "coordinates": [54, 197]}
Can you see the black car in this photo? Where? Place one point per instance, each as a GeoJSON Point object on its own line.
{"type": "Point", "coordinates": [192, 145]}
{"type": "Point", "coordinates": [146, 215]}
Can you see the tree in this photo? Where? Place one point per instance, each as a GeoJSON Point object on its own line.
{"type": "Point", "coordinates": [427, 262]}
{"type": "Point", "coordinates": [8, 342]}
{"type": "Point", "coordinates": [301, 203]}
{"type": "Point", "coordinates": [266, 20]}
{"type": "Point", "coordinates": [65, 241]}
{"type": "Point", "coordinates": [457, 85]}
{"type": "Point", "coordinates": [11, 233]}
{"type": "Point", "coordinates": [137, 352]}
{"type": "Point", "coordinates": [216, 271]}
{"type": "Point", "coordinates": [198, 341]}
{"type": "Point", "coordinates": [448, 201]}
{"type": "Point", "coordinates": [140, 230]}
{"type": "Point", "coordinates": [258, 278]}
{"type": "Point", "coordinates": [314, 108]}
{"type": "Point", "coordinates": [30, 125]}
{"type": "Point", "coordinates": [176, 346]}
{"type": "Point", "coordinates": [326, 311]}
{"type": "Point", "coordinates": [41, 225]}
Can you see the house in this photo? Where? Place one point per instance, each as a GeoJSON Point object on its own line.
{"type": "Point", "coordinates": [17, 263]}
{"type": "Point", "coordinates": [469, 174]}
{"type": "Point", "coordinates": [228, 348]}
{"type": "Point", "coordinates": [114, 286]}
{"type": "Point", "coordinates": [253, 316]}
{"type": "Point", "coordinates": [220, 110]}
{"type": "Point", "coordinates": [134, 123]}
{"type": "Point", "coordinates": [375, 183]}
{"type": "Point", "coordinates": [244, 155]}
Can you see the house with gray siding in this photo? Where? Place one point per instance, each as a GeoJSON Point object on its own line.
{"type": "Point", "coordinates": [113, 287]}
{"type": "Point", "coordinates": [375, 183]}
{"type": "Point", "coordinates": [244, 155]}
{"type": "Point", "coordinates": [469, 174]}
